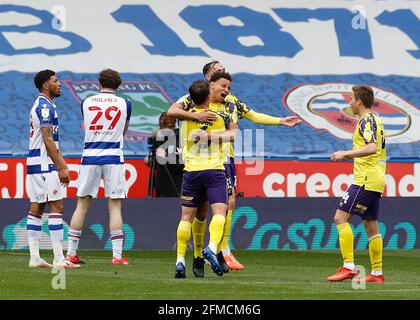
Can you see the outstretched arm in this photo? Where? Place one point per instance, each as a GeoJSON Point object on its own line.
{"type": "Point", "coordinates": [262, 118]}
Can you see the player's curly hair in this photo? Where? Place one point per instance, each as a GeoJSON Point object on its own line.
{"type": "Point", "coordinates": [219, 75]}
{"type": "Point", "coordinates": [365, 94]}
{"type": "Point", "coordinates": [109, 78]}
{"type": "Point", "coordinates": [42, 77]}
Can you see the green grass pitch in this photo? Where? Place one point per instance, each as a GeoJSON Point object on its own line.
{"type": "Point", "coordinates": [268, 275]}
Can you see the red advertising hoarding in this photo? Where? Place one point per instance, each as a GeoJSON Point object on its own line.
{"type": "Point", "coordinates": [269, 178]}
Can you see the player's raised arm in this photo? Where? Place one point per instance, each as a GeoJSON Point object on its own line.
{"type": "Point", "coordinates": [261, 118]}
{"type": "Point", "coordinates": [54, 153]}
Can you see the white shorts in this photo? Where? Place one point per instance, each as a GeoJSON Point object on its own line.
{"type": "Point", "coordinates": [44, 187]}
{"type": "Point", "coordinates": [90, 177]}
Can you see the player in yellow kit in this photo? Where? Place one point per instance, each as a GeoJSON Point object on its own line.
{"type": "Point", "coordinates": [204, 156]}
{"type": "Point", "coordinates": [181, 109]}
{"type": "Point", "coordinates": [362, 197]}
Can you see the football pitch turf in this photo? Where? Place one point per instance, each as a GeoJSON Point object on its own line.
{"type": "Point", "coordinates": [268, 275]}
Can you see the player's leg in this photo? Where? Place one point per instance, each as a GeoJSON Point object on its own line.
{"type": "Point", "coordinates": [216, 192]}
{"type": "Point", "coordinates": [53, 189]}
{"type": "Point", "coordinates": [33, 227]}
{"type": "Point", "coordinates": [199, 225]}
{"type": "Point", "coordinates": [114, 182]}
{"type": "Point", "coordinates": [345, 234]}
{"type": "Point", "coordinates": [117, 234]}
{"type": "Point", "coordinates": [198, 230]}
{"type": "Point", "coordinates": [183, 236]}
{"type": "Point", "coordinates": [191, 199]}
{"type": "Point", "coordinates": [35, 184]}
{"type": "Point", "coordinates": [370, 221]}
{"type": "Point", "coordinates": [76, 226]}
{"type": "Point", "coordinates": [346, 241]}
{"type": "Point", "coordinates": [216, 233]}
{"type": "Point", "coordinates": [227, 256]}
{"type": "Point", "coordinates": [87, 187]}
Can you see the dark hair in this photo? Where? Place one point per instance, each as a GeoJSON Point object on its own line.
{"type": "Point", "coordinates": [164, 119]}
{"type": "Point", "coordinates": [109, 78]}
{"type": "Point", "coordinates": [42, 77]}
{"type": "Point", "coordinates": [208, 66]}
{"type": "Point", "coordinates": [364, 94]}
{"type": "Point", "coordinates": [219, 75]}
{"type": "Point", "coordinates": [199, 91]}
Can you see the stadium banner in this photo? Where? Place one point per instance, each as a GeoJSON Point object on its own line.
{"type": "Point", "coordinates": [257, 224]}
{"type": "Point", "coordinates": [286, 57]}
{"type": "Point", "coordinates": [269, 178]}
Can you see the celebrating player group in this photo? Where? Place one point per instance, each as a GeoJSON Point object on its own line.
{"type": "Point", "coordinates": [209, 116]}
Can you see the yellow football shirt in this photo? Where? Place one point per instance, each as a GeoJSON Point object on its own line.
{"type": "Point", "coordinates": [204, 155]}
{"type": "Point", "coordinates": [370, 171]}
{"type": "Point", "coordinates": [232, 106]}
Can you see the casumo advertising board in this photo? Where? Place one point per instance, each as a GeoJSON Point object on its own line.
{"type": "Point", "coordinates": [257, 224]}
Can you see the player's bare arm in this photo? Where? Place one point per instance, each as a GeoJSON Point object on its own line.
{"type": "Point", "coordinates": [176, 111]}
{"type": "Point", "coordinates": [365, 151]}
{"type": "Point", "coordinates": [227, 136]}
{"type": "Point", "coordinates": [54, 154]}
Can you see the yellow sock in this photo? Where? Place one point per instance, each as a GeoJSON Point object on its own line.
{"type": "Point", "coordinates": [224, 244]}
{"type": "Point", "coordinates": [198, 231]}
{"type": "Point", "coordinates": [346, 240]}
{"type": "Point", "coordinates": [375, 252]}
{"type": "Point", "coordinates": [216, 231]}
{"type": "Point", "coordinates": [183, 235]}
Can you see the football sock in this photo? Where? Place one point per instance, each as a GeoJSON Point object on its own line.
{"type": "Point", "coordinates": [224, 244]}
{"type": "Point", "coordinates": [375, 253]}
{"type": "Point", "coordinates": [33, 227]}
{"type": "Point", "coordinates": [117, 239]}
{"type": "Point", "coordinates": [73, 243]}
{"type": "Point", "coordinates": [216, 231]}
{"type": "Point", "coordinates": [183, 235]}
{"type": "Point", "coordinates": [55, 225]}
{"type": "Point", "coordinates": [346, 240]}
{"type": "Point", "coordinates": [198, 231]}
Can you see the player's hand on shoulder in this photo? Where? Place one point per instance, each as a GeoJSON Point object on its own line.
{"type": "Point", "coordinates": [205, 117]}
{"type": "Point", "coordinates": [290, 121]}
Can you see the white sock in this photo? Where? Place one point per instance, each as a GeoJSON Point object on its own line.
{"type": "Point", "coordinates": [55, 225]}
{"type": "Point", "coordinates": [376, 273]}
{"type": "Point", "coordinates": [117, 239]}
{"type": "Point", "coordinates": [73, 243]}
{"type": "Point", "coordinates": [226, 252]}
{"type": "Point", "coordinates": [349, 265]}
{"type": "Point", "coordinates": [33, 227]}
{"type": "Point", "coordinates": [180, 259]}
{"type": "Point", "coordinates": [213, 247]}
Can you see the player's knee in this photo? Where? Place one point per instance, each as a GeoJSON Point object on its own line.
{"type": "Point", "coordinates": [339, 219]}
{"type": "Point", "coordinates": [57, 206]}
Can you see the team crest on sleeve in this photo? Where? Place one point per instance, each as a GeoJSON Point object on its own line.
{"type": "Point", "coordinates": [326, 107]}
{"type": "Point", "coordinates": [148, 101]}
{"type": "Point", "coordinates": [45, 112]}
